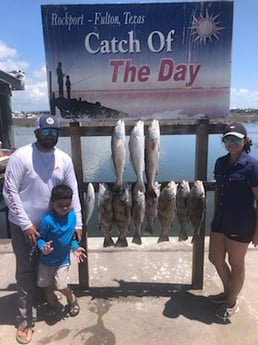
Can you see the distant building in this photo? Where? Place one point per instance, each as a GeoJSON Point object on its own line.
{"type": "Point", "coordinates": [11, 81]}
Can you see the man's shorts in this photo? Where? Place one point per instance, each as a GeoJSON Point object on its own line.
{"type": "Point", "coordinates": [57, 276]}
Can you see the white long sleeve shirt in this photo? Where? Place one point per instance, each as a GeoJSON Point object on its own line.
{"type": "Point", "coordinates": [30, 176]}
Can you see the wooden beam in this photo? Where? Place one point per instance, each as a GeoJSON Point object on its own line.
{"type": "Point", "coordinates": [78, 166]}
{"type": "Point", "coordinates": [201, 160]}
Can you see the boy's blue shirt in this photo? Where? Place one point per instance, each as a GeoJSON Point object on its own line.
{"type": "Point", "coordinates": [61, 232]}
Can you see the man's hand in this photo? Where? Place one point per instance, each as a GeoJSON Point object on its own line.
{"type": "Point", "coordinates": [31, 234]}
{"type": "Point", "coordinates": [78, 233]}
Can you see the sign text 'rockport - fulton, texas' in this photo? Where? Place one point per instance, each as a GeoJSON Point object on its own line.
{"type": "Point", "coordinates": [147, 60]}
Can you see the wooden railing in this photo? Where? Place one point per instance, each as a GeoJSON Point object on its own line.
{"type": "Point", "coordinates": [200, 128]}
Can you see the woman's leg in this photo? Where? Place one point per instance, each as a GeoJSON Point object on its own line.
{"type": "Point", "coordinates": [236, 256]}
{"type": "Point", "coordinates": [217, 256]}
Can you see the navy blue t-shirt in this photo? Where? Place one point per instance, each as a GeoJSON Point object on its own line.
{"type": "Point", "coordinates": [235, 211]}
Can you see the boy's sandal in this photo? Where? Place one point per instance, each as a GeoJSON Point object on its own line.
{"type": "Point", "coordinates": [74, 308]}
{"type": "Point", "coordinates": [24, 335]}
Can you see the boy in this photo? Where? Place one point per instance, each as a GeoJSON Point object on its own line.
{"type": "Point", "coordinates": [57, 238]}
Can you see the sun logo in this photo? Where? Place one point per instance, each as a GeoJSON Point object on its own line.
{"type": "Point", "coordinates": [205, 28]}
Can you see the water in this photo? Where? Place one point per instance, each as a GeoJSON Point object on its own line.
{"type": "Point", "coordinates": [177, 159]}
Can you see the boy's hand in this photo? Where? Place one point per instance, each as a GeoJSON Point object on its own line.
{"type": "Point", "coordinates": [47, 249]}
{"type": "Point", "coordinates": [79, 254]}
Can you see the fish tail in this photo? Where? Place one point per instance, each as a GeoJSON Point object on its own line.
{"type": "Point", "coordinates": [148, 229]}
{"type": "Point", "coordinates": [163, 238]}
{"type": "Point", "coordinates": [151, 192]}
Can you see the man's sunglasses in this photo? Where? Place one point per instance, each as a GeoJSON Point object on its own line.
{"type": "Point", "coordinates": [230, 139]}
{"type": "Point", "coordinates": [49, 131]}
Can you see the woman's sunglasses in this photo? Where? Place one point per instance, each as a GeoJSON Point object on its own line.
{"type": "Point", "coordinates": [230, 139]}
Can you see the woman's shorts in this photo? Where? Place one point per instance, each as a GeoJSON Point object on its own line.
{"type": "Point", "coordinates": [243, 238]}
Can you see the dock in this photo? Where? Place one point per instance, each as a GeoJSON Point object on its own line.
{"type": "Point", "coordinates": [140, 297]}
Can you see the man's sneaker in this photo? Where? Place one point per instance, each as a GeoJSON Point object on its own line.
{"type": "Point", "coordinates": [217, 299]}
{"type": "Point", "coordinates": [225, 311]}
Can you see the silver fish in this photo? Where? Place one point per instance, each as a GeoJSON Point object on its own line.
{"type": "Point", "coordinates": [196, 208]}
{"type": "Point", "coordinates": [167, 209]}
{"type": "Point", "coordinates": [182, 208]}
{"type": "Point", "coordinates": [105, 212]}
{"type": "Point", "coordinates": [138, 212]}
{"type": "Point", "coordinates": [118, 148]}
{"type": "Point", "coordinates": [89, 202]}
{"type": "Point", "coordinates": [136, 149]}
{"type": "Point", "coordinates": [122, 208]}
{"type": "Point", "coordinates": [152, 151]}
{"type": "Point", "coordinates": [151, 208]}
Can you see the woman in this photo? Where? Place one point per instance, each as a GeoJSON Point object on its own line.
{"type": "Point", "coordinates": [235, 222]}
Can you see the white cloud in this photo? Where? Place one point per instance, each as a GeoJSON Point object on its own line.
{"type": "Point", "coordinates": [9, 60]}
{"type": "Point", "coordinates": [6, 52]}
{"type": "Point", "coordinates": [40, 74]}
{"type": "Point", "coordinates": [244, 98]}
{"type": "Point", "coordinates": [35, 95]}
{"type": "Point", "coordinates": [33, 98]}
{"type": "Point", "coordinates": [12, 65]}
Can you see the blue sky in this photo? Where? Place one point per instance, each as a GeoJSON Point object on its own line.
{"type": "Point", "coordinates": [22, 48]}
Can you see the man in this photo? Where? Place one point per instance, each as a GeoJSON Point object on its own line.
{"type": "Point", "coordinates": [31, 173]}
{"type": "Point", "coordinates": [60, 79]}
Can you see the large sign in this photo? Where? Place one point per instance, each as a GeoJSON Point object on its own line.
{"type": "Point", "coordinates": [145, 60]}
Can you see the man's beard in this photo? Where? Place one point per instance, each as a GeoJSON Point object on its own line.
{"type": "Point", "coordinates": [47, 143]}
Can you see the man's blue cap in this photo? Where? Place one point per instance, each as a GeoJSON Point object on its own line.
{"type": "Point", "coordinates": [47, 121]}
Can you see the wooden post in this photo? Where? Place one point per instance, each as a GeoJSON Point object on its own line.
{"type": "Point", "coordinates": [201, 161]}
{"type": "Point", "coordinates": [77, 161]}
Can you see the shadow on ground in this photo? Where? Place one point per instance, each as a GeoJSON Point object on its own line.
{"type": "Point", "coordinates": [192, 307]}
{"type": "Point", "coordinates": [180, 300]}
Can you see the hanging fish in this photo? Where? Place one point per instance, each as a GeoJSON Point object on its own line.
{"type": "Point", "coordinates": [89, 202]}
{"type": "Point", "coordinates": [122, 208]}
{"type": "Point", "coordinates": [138, 212]}
{"type": "Point", "coordinates": [152, 151]}
{"type": "Point", "coordinates": [182, 208]}
{"type": "Point", "coordinates": [167, 209]}
{"type": "Point", "coordinates": [105, 213]}
{"type": "Point", "coordinates": [151, 208]}
{"type": "Point", "coordinates": [136, 148]}
{"type": "Point", "coordinates": [196, 208]}
{"type": "Point", "coordinates": [118, 149]}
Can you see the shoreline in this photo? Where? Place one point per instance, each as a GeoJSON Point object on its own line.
{"type": "Point", "coordinates": [232, 117]}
